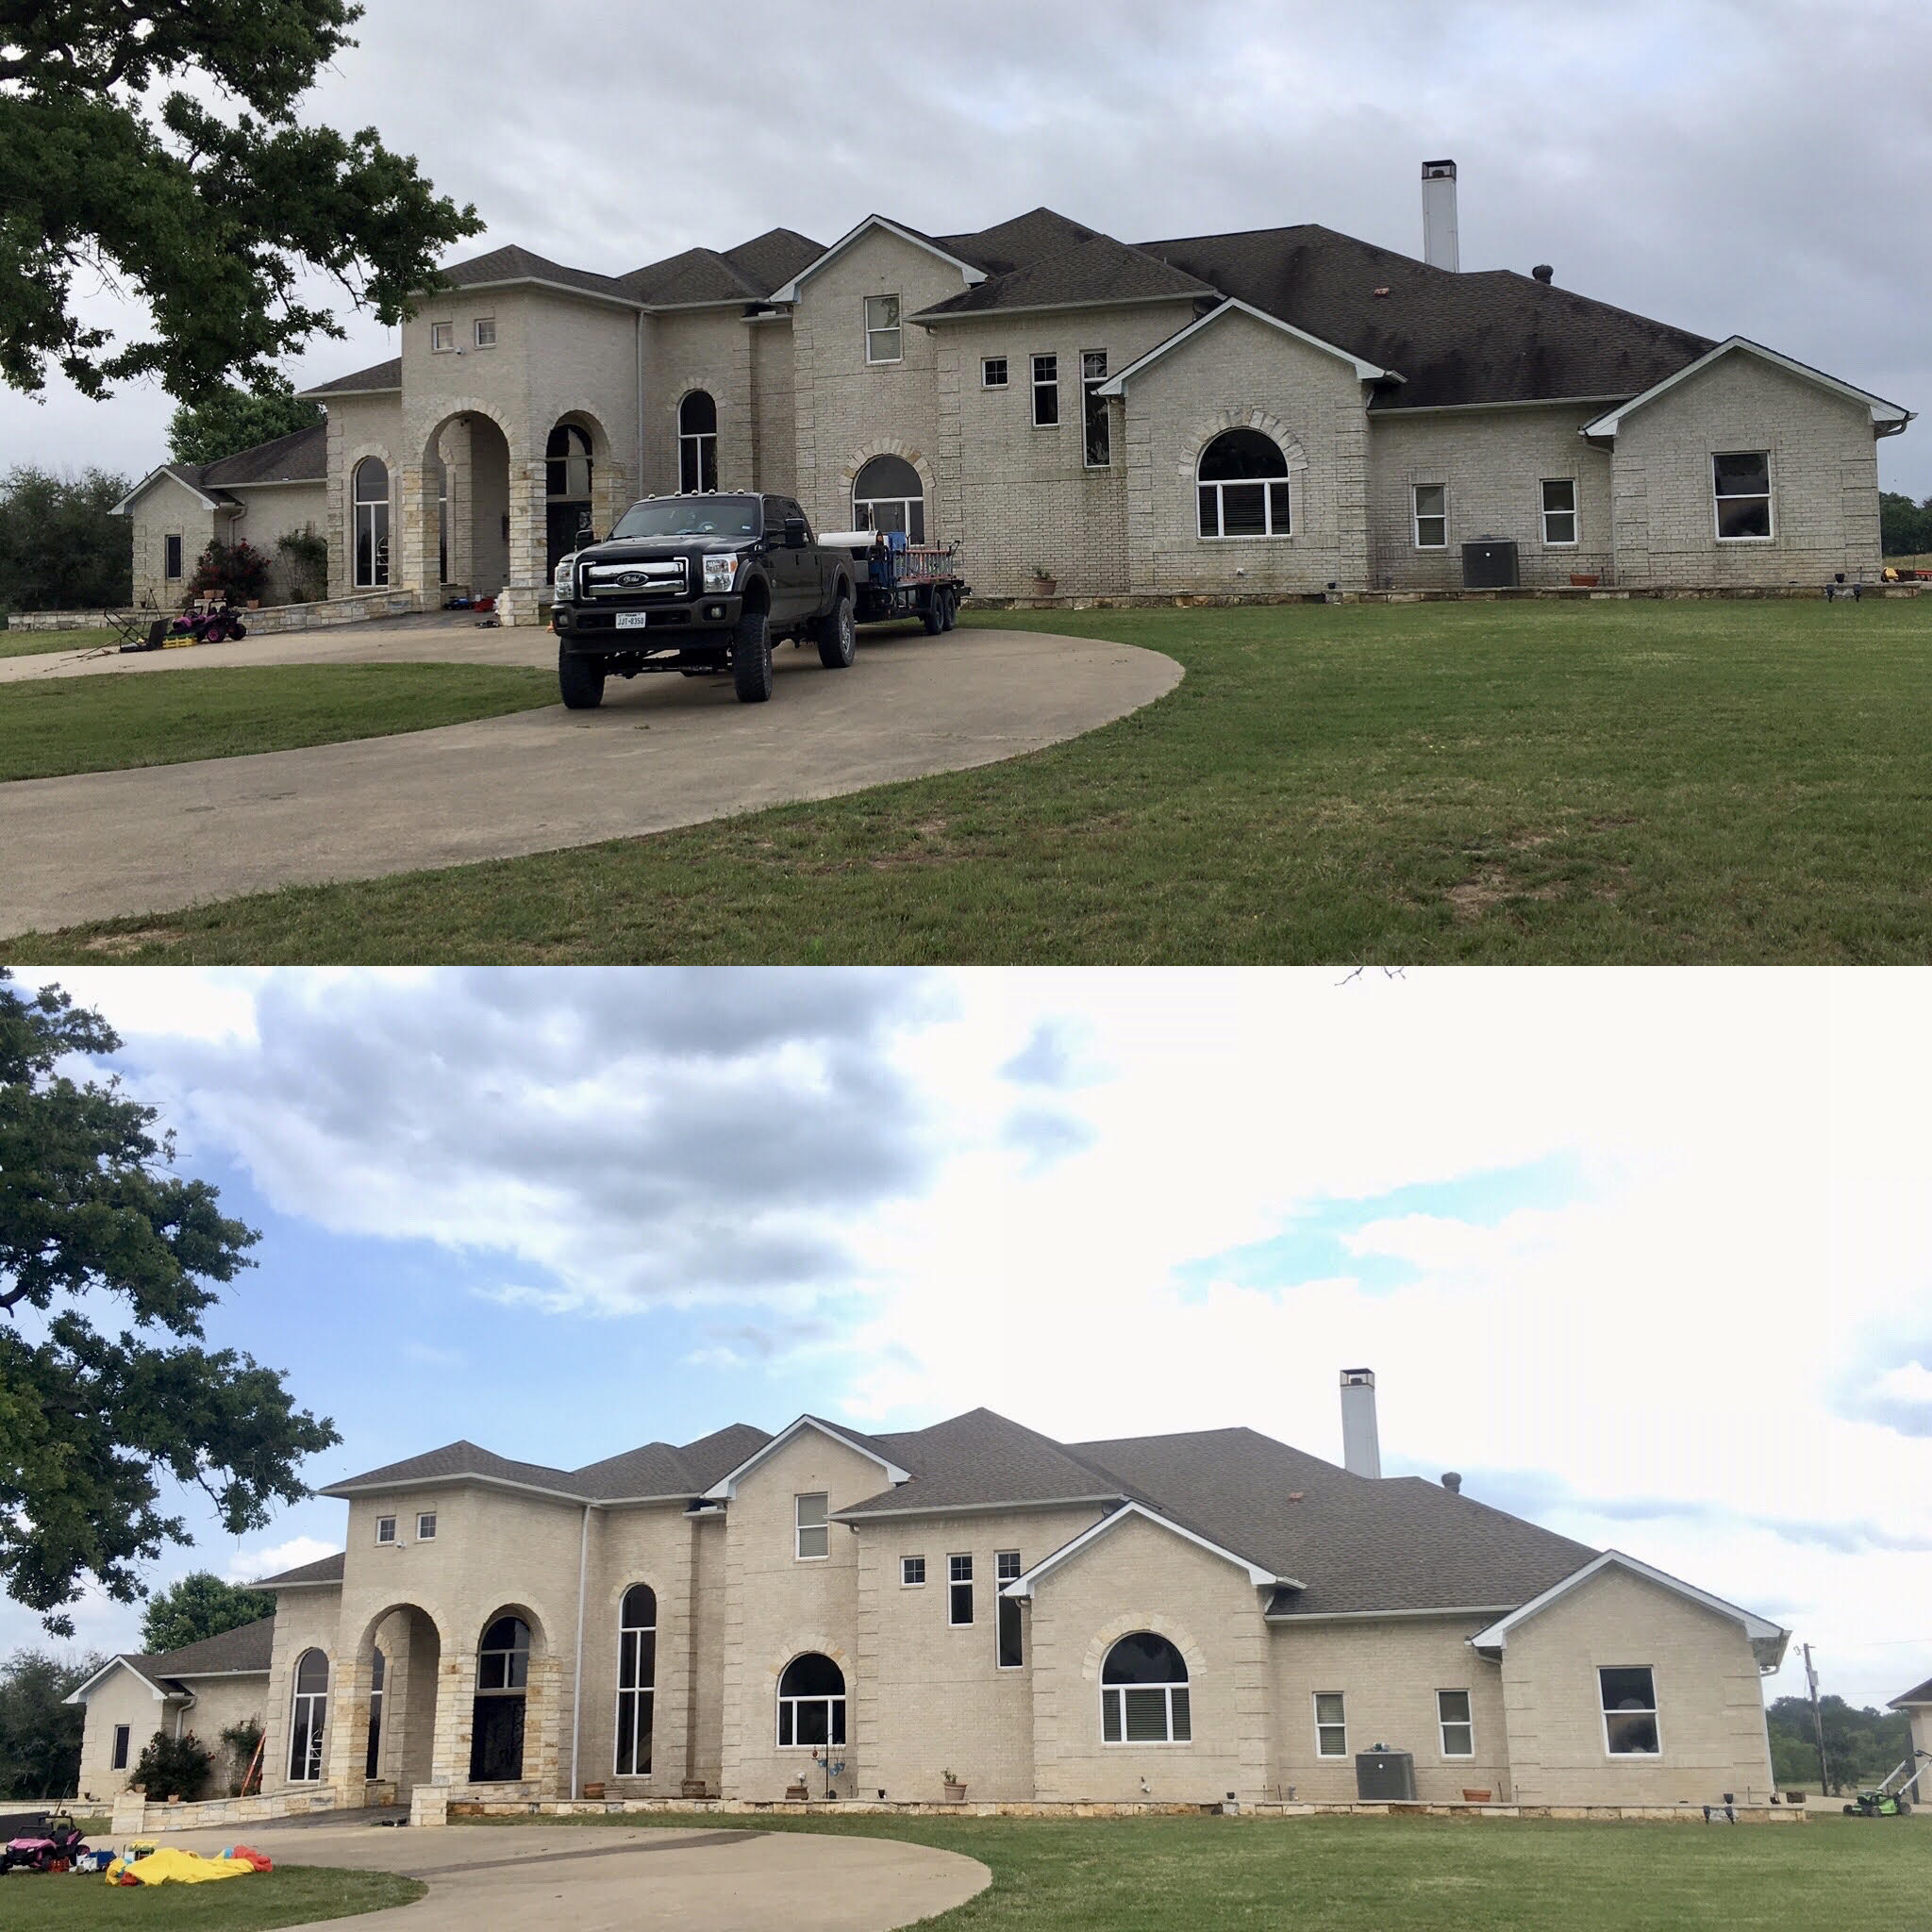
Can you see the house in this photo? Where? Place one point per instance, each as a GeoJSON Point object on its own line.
{"type": "Point", "coordinates": [1917, 1706]}
{"type": "Point", "coordinates": [1273, 413]}
{"type": "Point", "coordinates": [1180, 1616]}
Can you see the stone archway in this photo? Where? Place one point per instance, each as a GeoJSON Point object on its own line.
{"type": "Point", "coordinates": [866, 453]}
{"type": "Point", "coordinates": [513, 1697]}
{"type": "Point", "coordinates": [585, 487]}
{"type": "Point", "coordinates": [394, 1727]}
{"type": "Point", "coordinates": [455, 505]}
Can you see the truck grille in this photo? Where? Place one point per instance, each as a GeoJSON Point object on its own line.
{"type": "Point", "coordinates": [670, 578]}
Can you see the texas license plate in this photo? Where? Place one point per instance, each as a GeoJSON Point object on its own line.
{"type": "Point", "coordinates": [633, 620]}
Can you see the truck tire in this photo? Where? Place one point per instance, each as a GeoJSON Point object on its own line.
{"type": "Point", "coordinates": [949, 610]}
{"type": "Point", "coordinates": [838, 635]}
{"type": "Point", "coordinates": [751, 658]}
{"type": "Point", "coordinates": [578, 681]}
{"type": "Point", "coordinates": [932, 617]}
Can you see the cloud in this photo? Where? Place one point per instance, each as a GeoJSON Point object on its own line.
{"type": "Point", "coordinates": [1047, 1136]}
{"type": "Point", "coordinates": [1052, 1056]}
{"type": "Point", "coordinates": [248, 1566]}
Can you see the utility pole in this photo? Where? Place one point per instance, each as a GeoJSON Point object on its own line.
{"type": "Point", "coordinates": [1817, 1724]}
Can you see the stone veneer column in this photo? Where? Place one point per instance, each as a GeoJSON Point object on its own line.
{"type": "Point", "coordinates": [456, 1700]}
{"type": "Point", "coordinates": [336, 517]}
{"type": "Point", "coordinates": [458, 461]}
{"type": "Point", "coordinates": [348, 1731]}
{"type": "Point", "coordinates": [413, 563]}
{"type": "Point", "coordinates": [526, 590]}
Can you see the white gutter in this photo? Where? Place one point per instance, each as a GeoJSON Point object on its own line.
{"type": "Point", "coordinates": [577, 1695]}
{"type": "Point", "coordinates": [637, 482]}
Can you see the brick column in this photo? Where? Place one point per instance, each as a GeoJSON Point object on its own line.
{"type": "Point", "coordinates": [413, 556]}
{"type": "Point", "coordinates": [457, 457]}
{"type": "Point", "coordinates": [348, 1731]}
{"type": "Point", "coordinates": [456, 1698]}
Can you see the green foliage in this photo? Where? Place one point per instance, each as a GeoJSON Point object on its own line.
{"type": "Point", "coordinates": [1860, 1746]}
{"type": "Point", "coordinates": [1905, 527]}
{"type": "Point", "coordinates": [39, 1732]}
{"type": "Point", "coordinates": [91, 1423]}
{"type": "Point", "coordinates": [60, 549]}
{"type": "Point", "coordinates": [235, 571]}
{"type": "Point", "coordinates": [240, 1742]}
{"type": "Point", "coordinates": [230, 420]}
{"type": "Point", "coordinates": [159, 143]}
{"type": "Point", "coordinates": [200, 1606]}
{"type": "Point", "coordinates": [305, 564]}
{"type": "Point", "coordinates": [173, 1767]}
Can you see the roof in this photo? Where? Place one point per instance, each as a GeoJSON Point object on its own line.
{"type": "Point", "coordinates": [1365, 371]}
{"type": "Point", "coordinates": [1089, 274]}
{"type": "Point", "coordinates": [1919, 1693]}
{"type": "Point", "coordinates": [981, 1460]}
{"type": "Point", "coordinates": [456, 1461]}
{"type": "Point", "coordinates": [243, 1652]}
{"type": "Point", "coordinates": [187, 475]}
{"type": "Point", "coordinates": [969, 270]}
{"type": "Point", "coordinates": [1129, 1512]}
{"type": "Point", "coordinates": [514, 264]}
{"type": "Point", "coordinates": [746, 273]}
{"type": "Point", "coordinates": [299, 458]}
{"type": "Point", "coordinates": [1887, 418]}
{"type": "Point", "coordinates": [378, 379]}
{"type": "Point", "coordinates": [305, 1575]}
{"type": "Point", "coordinates": [726, 1485]}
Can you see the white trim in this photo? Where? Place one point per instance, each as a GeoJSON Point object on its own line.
{"type": "Point", "coordinates": [919, 1513]}
{"type": "Point", "coordinates": [1655, 1712]}
{"type": "Point", "coordinates": [1468, 1723]}
{"type": "Point", "coordinates": [895, 328]}
{"type": "Point", "coordinates": [1385, 1616]}
{"type": "Point", "coordinates": [935, 318]}
{"type": "Point", "coordinates": [430, 1515]}
{"type": "Point", "coordinates": [1023, 1586]}
{"type": "Point", "coordinates": [1365, 371]}
{"type": "Point", "coordinates": [799, 1526]}
{"type": "Point", "coordinates": [1717, 502]}
{"type": "Point", "coordinates": [789, 292]}
{"type": "Point", "coordinates": [354, 1489]}
{"type": "Point", "coordinates": [999, 1605]}
{"type": "Point", "coordinates": [562, 287]}
{"type": "Point", "coordinates": [1315, 1698]}
{"type": "Point", "coordinates": [1005, 380]}
{"type": "Point", "coordinates": [726, 1488]}
{"type": "Point", "coordinates": [1415, 516]}
{"type": "Point", "coordinates": [168, 470]}
{"type": "Point", "coordinates": [322, 394]}
{"type": "Point", "coordinates": [388, 1541]}
{"type": "Point", "coordinates": [79, 1695]}
{"type": "Point", "coordinates": [1400, 412]}
{"type": "Point", "coordinates": [1575, 512]}
{"type": "Point", "coordinates": [910, 1582]}
{"type": "Point", "coordinates": [1888, 418]}
{"type": "Point", "coordinates": [965, 1583]}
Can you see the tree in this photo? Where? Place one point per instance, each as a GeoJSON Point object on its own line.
{"type": "Point", "coordinates": [234, 419]}
{"type": "Point", "coordinates": [1905, 527]}
{"type": "Point", "coordinates": [1861, 1746]}
{"type": "Point", "coordinates": [203, 202]}
{"type": "Point", "coordinates": [200, 1606]}
{"type": "Point", "coordinates": [91, 1422]}
{"type": "Point", "coordinates": [172, 1766]}
{"type": "Point", "coordinates": [39, 1732]}
{"type": "Point", "coordinates": [60, 549]}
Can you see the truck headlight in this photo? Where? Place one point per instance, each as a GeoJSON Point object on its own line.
{"type": "Point", "coordinates": [721, 571]}
{"type": "Point", "coordinates": [561, 581]}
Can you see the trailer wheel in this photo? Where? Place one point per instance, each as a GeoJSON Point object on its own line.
{"type": "Point", "coordinates": [933, 616]}
{"type": "Point", "coordinates": [578, 681]}
{"type": "Point", "coordinates": [949, 610]}
{"type": "Point", "coordinates": [838, 636]}
{"type": "Point", "coordinates": [751, 658]}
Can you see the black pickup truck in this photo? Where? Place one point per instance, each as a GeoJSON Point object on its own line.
{"type": "Point", "coordinates": [700, 585]}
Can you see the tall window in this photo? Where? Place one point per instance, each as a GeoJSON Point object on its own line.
{"type": "Point", "coordinates": [1143, 1694]}
{"type": "Point", "coordinates": [310, 1717]}
{"type": "Point", "coordinates": [1242, 480]}
{"type": "Point", "coordinates": [812, 1519]}
{"type": "Point", "coordinates": [883, 336]}
{"type": "Point", "coordinates": [1456, 1723]}
{"type": "Point", "coordinates": [1331, 1724]}
{"type": "Point", "coordinates": [1099, 431]}
{"type": "Point", "coordinates": [958, 1591]}
{"type": "Point", "coordinates": [1006, 1566]}
{"type": "Point", "coordinates": [172, 567]}
{"type": "Point", "coordinates": [370, 491]}
{"type": "Point", "coordinates": [636, 1677]}
{"type": "Point", "coordinates": [811, 1704]}
{"type": "Point", "coordinates": [122, 1736]}
{"type": "Point", "coordinates": [1046, 391]}
{"type": "Point", "coordinates": [442, 520]}
{"type": "Point", "coordinates": [887, 494]}
{"type": "Point", "coordinates": [379, 1673]}
{"type": "Point", "coordinates": [496, 1719]}
{"type": "Point", "coordinates": [697, 443]}
{"type": "Point", "coordinates": [567, 463]}
{"type": "Point", "coordinates": [1432, 516]}
{"type": "Point", "coordinates": [1629, 1697]}
{"type": "Point", "coordinates": [1741, 484]}
{"type": "Point", "coordinates": [1559, 510]}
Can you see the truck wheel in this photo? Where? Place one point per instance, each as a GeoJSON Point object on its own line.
{"type": "Point", "coordinates": [932, 616]}
{"type": "Point", "coordinates": [579, 681]}
{"type": "Point", "coordinates": [949, 611]}
{"type": "Point", "coordinates": [838, 636]}
{"type": "Point", "coordinates": [751, 658]}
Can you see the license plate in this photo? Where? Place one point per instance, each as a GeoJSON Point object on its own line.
{"type": "Point", "coordinates": [633, 620]}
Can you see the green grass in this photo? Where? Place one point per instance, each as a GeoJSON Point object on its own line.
{"type": "Point", "coordinates": [34, 644]}
{"type": "Point", "coordinates": [53, 725]}
{"type": "Point", "coordinates": [1447, 782]}
{"type": "Point", "coordinates": [1418, 1874]}
{"type": "Point", "coordinates": [290, 1895]}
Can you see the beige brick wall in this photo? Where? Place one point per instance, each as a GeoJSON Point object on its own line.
{"type": "Point", "coordinates": [774, 408]}
{"type": "Point", "coordinates": [305, 1619]}
{"type": "Point", "coordinates": [121, 1698]}
{"type": "Point", "coordinates": [705, 1721]}
{"type": "Point", "coordinates": [361, 427]}
{"type": "Point", "coordinates": [270, 514]}
{"type": "Point", "coordinates": [709, 349]}
{"type": "Point", "coordinates": [1824, 479]}
{"type": "Point", "coordinates": [1709, 1699]}
{"type": "Point", "coordinates": [1493, 463]}
{"type": "Point", "coordinates": [170, 508]}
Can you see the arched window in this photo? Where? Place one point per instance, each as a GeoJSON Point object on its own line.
{"type": "Point", "coordinates": [1243, 478]}
{"type": "Point", "coordinates": [637, 1674]}
{"type": "Point", "coordinates": [697, 443]}
{"type": "Point", "coordinates": [1143, 1693]}
{"type": "Point", "coordinates": [310, 1717]}
{"type": "Point", "coordinates": [370, 494]}
{"type": "Point", "coordinates": [887, 494]}
{"type": "Point", "coordinates": [567, 463]}
{"type": "Point", "coordinates": [503, 1676]}
{"type": "Point", "coordinates": [378, 1671]}
{"type": "Point", "coordinates": [812, 1703]}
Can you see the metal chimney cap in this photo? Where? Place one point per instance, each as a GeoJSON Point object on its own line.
{"type": "Point", "coordinates": [1452, 1481]}
{"type": "Point", "coordinates": [1433, 170]}
{"type": "Point", "coordinates": [1358, 1379]}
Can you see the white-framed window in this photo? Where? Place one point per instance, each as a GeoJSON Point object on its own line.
{"type": "Point", "coordinates": [811, 1704]}
{"type": "Point", "coordinates": [911, 1572]}
{"type": "Point", "coordinates": [310, 1718]}
{"type": "Point", "coordinates": [637, 1679]}
{"type": "Point", "coordinates": [1630, 1701]}
{"type": "Point", "coordinates": [1094, 406]}
{"type": "Point", "coordinates": [443, 338]}
{"type": "Point", "coordinates": [1740, 487]}
{"type": "Point", "coordinates": [378, 1678]}
{"type": "Point", "coordinates": [1046, 391]}
{"type": "Point", "coordinates": [889, 494]}
{"type": "Point", "coordinates": [812, 1520]}
{"type": "Point", "coordinates": [884, 337]}
{"type": "Point", "coordinates": [369, 491]}
{"type": "Point", "coordinates": [1241, 482]}
{"type": "Point", "coordinates": [1432, 516]}
{"type": "Point", "coordinates": [172, 565]}
{"type": "Point", "coordinates": [1143, 1694]}
{"type": "Point", "coordinates": [1457, 1723]}
{"type": "Point", "coordinates": [1009, 1649]}
{"type": "Point", "coordinates": [1331, 1724]}
{"type": "Point", "coordinates": [992, 372]}
{"type": "Point", "coordinates": [124, 1735]}
{"type": "Point", "coordinates": [385, 1529]}
{"type": "Point", "coordinates": [697, 443]}
{"type": "Point", "coordinates": [958, 1591]}
{"type": "Point", "coordinates": [426, 1526]}
{"type": "Point", "coordinates": [1560, 512]}
{"type": "Point", "coordinates": [486, 331]}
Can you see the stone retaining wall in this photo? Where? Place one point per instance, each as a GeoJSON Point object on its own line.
{"type": "Point", "coordinates": [1656, 593]}
{"type": "Point", "coordinates": [134, 1814]}
{"type": "Point", "coordinates": [272, 622]}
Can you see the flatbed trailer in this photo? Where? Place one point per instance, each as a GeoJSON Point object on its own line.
{"type": "Point", "coordinates": [898, 582]}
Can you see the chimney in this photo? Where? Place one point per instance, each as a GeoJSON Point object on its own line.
{"type": "Point", "coordinates": [1439, 245]}
{"type": "Point", "coordinates": [1451, 1482]}
{"type": "Point", "coordinates": [1362, 1448]}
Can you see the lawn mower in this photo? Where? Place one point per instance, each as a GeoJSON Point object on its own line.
{"type": "Point", "coordinates": [1893, 1798]}
{"type": "Point", "coordinates": [56, 1845]}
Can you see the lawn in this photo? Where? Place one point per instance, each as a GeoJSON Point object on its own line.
{"type": "Point", "coordinates": [34, 644]}
{"type": "Point", "coordinates": [1449, 782]}
{"type": "Point", "coordinates": [1418, 1874]}
{"type": "Point", "coordinates": [53, 725]}
{"type": "Point", "coordinates": [290, 1895]}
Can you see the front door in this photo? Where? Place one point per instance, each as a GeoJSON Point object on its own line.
{"type": "Point", "coordinates": [570, 529]}
{"type": "Point", "coordinates": [496, 1742]}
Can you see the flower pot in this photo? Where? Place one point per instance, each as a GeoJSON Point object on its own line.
{"type": "Point", "coordinates": [1583, 583]}
{"type": "Point", "coordinates": [797, 1795]}
{"type": "Point", "coordinates": [1046, 587]}
{"type": "Point", "coordinates": [255, 604]}
{"type": "Point", "coordinates": [1469, 1797]}
{"type": "Point", "coordinates": [956, 1794]}
{"type": "Point", "coordinates": [694, 1788]}
{"type": "Point", "coordinates": [593, 1790]}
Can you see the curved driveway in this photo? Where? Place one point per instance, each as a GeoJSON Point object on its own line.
{"type": "Point", "coordinates": [663, 750]}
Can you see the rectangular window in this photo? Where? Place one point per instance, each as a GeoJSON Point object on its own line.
{"type": "Point", "coordinates": [442, 336]}
{"type": "Point", "coordinates": [1629, 1698]}
{"type": "Point", "coordinates": [1331, 1728]}
{"type": "Point", "coordinates": [814, 1529]}
{"type": "Point", "coordinates": [911, 1572]}
{"type": "Point", "coordinates": [1245, 510]}
{"type": "Point", "coordinates": [1432, 516]}
{"type": "Point", "coordinates": [486, 331]}
{"type": "Point", "coordinates": [385, 1529]}
{"type": "Point", "coordinates": [1046, 391]}
{"type": "Point", "coordinates": [1741, 485]}
{"type": "Point", "coordinates": [172, 566]}
{"type": "Point", "coordinates": [1559, 510]}
{"type": "Point", "coordinates": [122, 1738]}
{"type": "Point", "coordinates": [1011, 1653]}
{"type": "Point", "coordinates": [1457, 1725]}
{"type": "Point", "coordinates": [1099, 429]}
{"type": "Point", "coordinates": [425, 1526]}
{"type": "Point", "coordinates": [883, 336]}
{"type": "Point", "coordinates": [1152, 1714]}
{"type": "Point", "coordinates": [992, 373]}
{"type": "Point", "coordinates": [960, 1591]}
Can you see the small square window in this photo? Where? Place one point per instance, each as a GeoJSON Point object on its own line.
{"type": "Point", "coordinates": [911, 1572]}
{"type": "Point", "coordinates": [425, 1526]}
{"type": "Point", "coordinates": [1559, 510]}
{"type": "Point", "coordinates": [442, 336]}
{"type": "Point", "coordinates": [884, 338]}
{"type": "Point", "coordinates": [1046, 391]}
{"type": "Point", "coordinates": [960, 1591]}
{"type": "Point", "coordinates": [1629, 1700]}
{"type": "Point", "coordinates": [385, 1529]}
{"type": "Point", "coordinates": [992, 373]}
{"type": "Point", "coordinates": [1456, 1723]}
{"type": "Point", "coordinates": [1331, 1727]}
{"type": "Point", "coordinates": [814, 1527]}
{"type": "Point", "coordinates": [486, 331]}
{"type": "Point", "coordinates": [1432, 516]}
{"type": "Point", "coordinates": [173, 565]}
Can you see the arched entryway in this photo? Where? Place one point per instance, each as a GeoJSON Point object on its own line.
{"type": "Point", "coordinates": [387, 1699]}
{"type": "Point", "coordinates": [503, 1687]}
{"type": "Point", "coordinates": [887, 494]}
{"type": "Point", "coordinates": [568, 486]}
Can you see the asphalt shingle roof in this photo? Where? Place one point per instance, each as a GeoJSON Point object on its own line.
{"type": "Point", "coordinates": [324, 1569]}
{"type": "Point", "coordinates": [514, 264]}
{"type": "Point", "coordinates": [1920, 1694]}
{"type": "Point", "coordinates": [245, 1649]}
{"type": "Point", "coordinates": [976, 1459]}
{"type": "Point", "coordinates": [1098, 270]}
{"type": "Point", "coordinates": [378, 376]}
{"type": "Point", "coordinates": [299, 458]}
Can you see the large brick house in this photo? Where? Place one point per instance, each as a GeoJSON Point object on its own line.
{"type": "Point", "coordinates": [1180, 1617]}
{"type": "Point", "coordinates": [1274, 411]}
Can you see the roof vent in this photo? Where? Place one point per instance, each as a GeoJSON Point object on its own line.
{"type": "Point", "coordinates": [1451, 1482]}
{"type": "Point", "coordinates": [1383, 294]}
{"type": "Point", "coordinates": [1545, 274]}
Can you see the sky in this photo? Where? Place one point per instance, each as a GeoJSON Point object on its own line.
{"type": "Point", "coordinates": [1728, 167]}
{"type": "Point", "coordinates": [1645, 1256]}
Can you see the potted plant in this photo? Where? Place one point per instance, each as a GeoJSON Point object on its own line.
{"type": "Point", "coordinates": [1476, 1797]}
{"type": "Point", "coordinates": [797, 1792]}
{"type": "Point", "coordinates": [1044, 582]}
{"type": "Point", "coordinates": [954, 1789]}
{"type": "Point", "coordinates": [1583, 581]}
{"type": "Point", "coordinates": [593, 1790]}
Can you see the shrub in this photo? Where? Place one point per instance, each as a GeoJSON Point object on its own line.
{"type": "Point", "coordinates": [235, 571]}
{"type": "Point", "coordinates": [240, 1742]}
{"type": "Point", "coordinates": [305, 564]}
{"type": "Point", "coordinates": [173, 1767]}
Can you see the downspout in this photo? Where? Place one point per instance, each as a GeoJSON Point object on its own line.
{"type": "Point", "coordinates": [638, 484]}
{"type": "Point", "coordinates": [576, 1693]}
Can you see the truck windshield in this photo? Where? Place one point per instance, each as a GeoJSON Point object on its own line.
{"type": "Point", "coordinates": [692, 516]}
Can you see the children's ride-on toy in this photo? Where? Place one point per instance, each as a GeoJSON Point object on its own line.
{"type": "Point", "coordinates": [214, 624]}
{"type": "Point", "coordinates": [55, 1847]}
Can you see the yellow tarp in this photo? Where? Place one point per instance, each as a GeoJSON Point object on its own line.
{"type": "Point", "coordinates": [172, 1866]}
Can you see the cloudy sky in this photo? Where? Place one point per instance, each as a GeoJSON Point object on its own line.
{"type": "Point", "coordinates": [1645, 1255]}
{"type": "Point", "coordinates": [1748, 166]}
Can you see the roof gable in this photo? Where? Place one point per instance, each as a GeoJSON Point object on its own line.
{"type": "Point", "coordinates": [1888, 419]}
{"type": "Point", "coordinates": [462, 1461]}
{"type": "Point", "coordinates": [324, 1570]}
{"type": "Point", "coordinates": [726, 1486]}
{"type": "Point", "coordinates": [187, 475]}
{"type": "Point", "coordinates": [503, 266]}
{"type": "Point", "coordinates": [1920, 1694]}
{"type": "Point", "coordinates": [980, 1461]}
{"type": "Point", "coordinates": [1257, 1574]}
{"type": "Point", "coordinates": [379, 378]}
{"type": "Point", "coordinates": [971, 271]}
{"type": "Point", "coordinates": [1098, 272]}
{"type": "Point", "coordinates": [1038, 234]}
{"type": "Point", "coordinates": [1365, 371]}
{"type": "Point", "coordinates": [135, 1664]}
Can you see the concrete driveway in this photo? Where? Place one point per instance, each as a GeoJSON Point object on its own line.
{"type": "Point", "coordinates": [663, 750]}
{"type": "Point", "coordinates": [621, 1878]}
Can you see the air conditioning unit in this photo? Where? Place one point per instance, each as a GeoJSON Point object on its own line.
{"type": "Point", "coordinates": [1489, 564]}
{"type": "Point", "coordinates": [1384, 1777]}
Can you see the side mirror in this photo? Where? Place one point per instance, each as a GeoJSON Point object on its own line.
{"type": "Point", "coordinates": [795, 533]}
